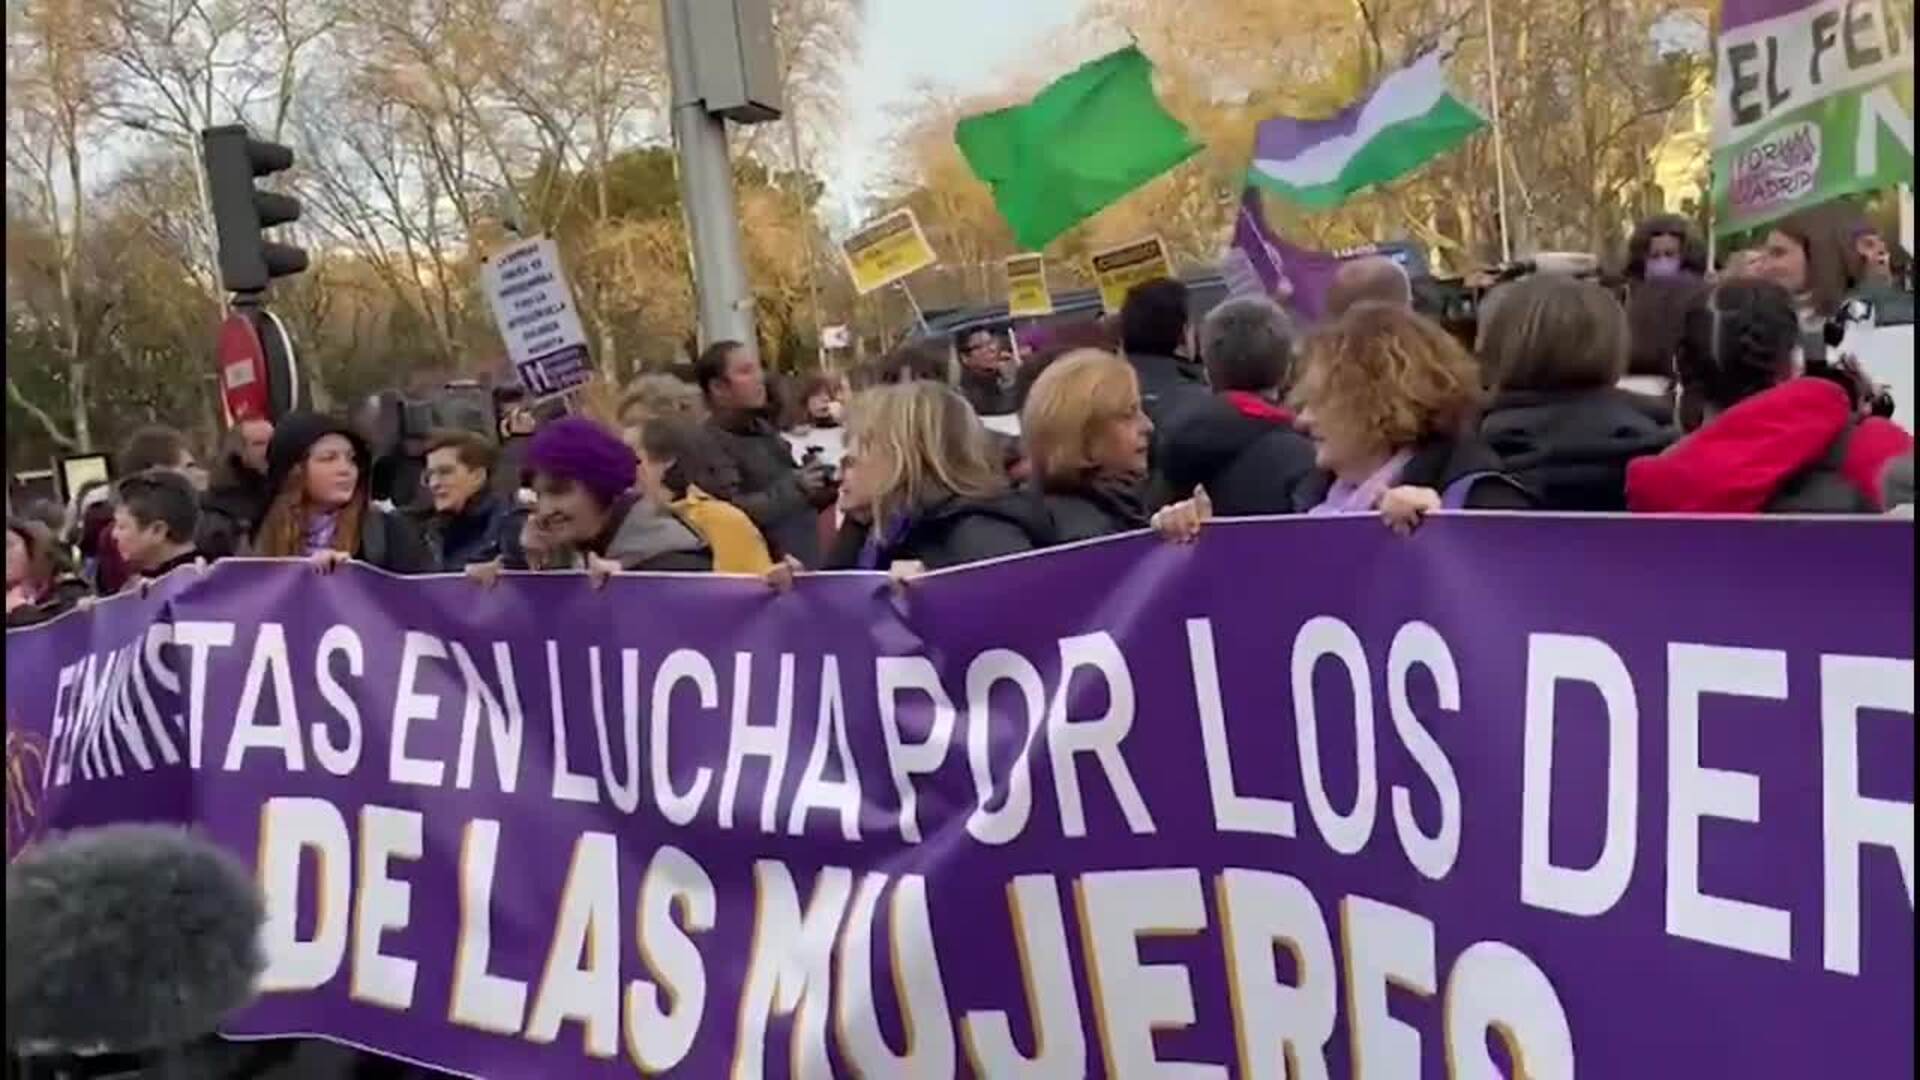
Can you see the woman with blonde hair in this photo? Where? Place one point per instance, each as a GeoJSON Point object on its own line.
{"type": "Point", "coordinates": [655, 395]}
{"type": "Point", "coordinates": [921, 487]}
{"type": "Point", "coordinates": [1391, 402]}
{"type": "Point", "coordinates": [1087, 436]}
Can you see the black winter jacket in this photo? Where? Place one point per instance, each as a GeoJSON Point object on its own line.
{"type": "Point", "coordinates": [1249, 465]}
{"type": "Point", "coordinates": [1572, 449]}
{"type": "Point", "coordinates": [988, 395]}
{"type": "Point", "coordinates": [765, 484]}
{"type": "Point", "coordinates": [1168, 385]}
{"type": "Point", "coordinates": [232, 509]}
{"type": "Point", "coordinates": [479, 533]}
{"type": "Point", "coordinates": [392, 543]}
{"type": "Point", "coordinates": [952, 532]}
{"type": "Point", "coordinates": [1437, 464]}
{"type": "Point", "coordinates": [1102, 508]}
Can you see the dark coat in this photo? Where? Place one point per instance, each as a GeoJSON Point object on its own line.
{"type": "Point", "coordinates": [763, 480]}
{"type": "Point", "coordinates": [66, 591]}
{"type": "Point", "coordinates": [175, 563]}
{"type": "Point", "coordinates": [1437, 464]}
{"type": "Point", "coordinates": [951, 532]}
{"type": "Point", "coordinates": [1102, 508]}
{"type": "Point", "coordinates": [392, 543]}
{"type": "Point", "coordinates": [477, 534]}
{"type": "Point", "coordinates": [232, 508]}
{"type": "Point", "coordinates": [1572, 449]}
{"type": "Point", "coordinates": [988, 394]}
{"type": "Point", "coordinates": [1168, 385]}
{"type": "Point", "coordinates": [1248, 464]}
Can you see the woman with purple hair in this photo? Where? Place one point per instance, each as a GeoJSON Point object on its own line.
{"type": "Point", "coordinates": [589, 513]}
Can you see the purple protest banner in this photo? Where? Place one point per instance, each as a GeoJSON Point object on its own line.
{"type": "Point", "coordinates": [1604, 796]}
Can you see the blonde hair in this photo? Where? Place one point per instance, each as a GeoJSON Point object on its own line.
{"type": "Point", "coordinates": [1390, 373]}
{"type": "Point", "coordinates": [657, 395]}
{"type": "Point", "coordinates": [924, 442]}
{"type": "Point", "coordinates": [1069, 402]}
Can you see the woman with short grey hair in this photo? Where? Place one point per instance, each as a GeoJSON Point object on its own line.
{"type": "Point", "coordinates": [1241, 444]}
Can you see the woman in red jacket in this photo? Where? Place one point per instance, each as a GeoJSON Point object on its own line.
{"type": "Point", "coordinates": [1774, 434]}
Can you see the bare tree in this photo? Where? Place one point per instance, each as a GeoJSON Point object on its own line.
{"type": "Point", "coordinates": [55, 84]}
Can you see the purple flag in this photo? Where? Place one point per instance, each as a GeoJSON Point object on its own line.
{"type": "Point", "coordinates": [1303, 791]}
{"type": "Point", "coordinates": [1296, 277]}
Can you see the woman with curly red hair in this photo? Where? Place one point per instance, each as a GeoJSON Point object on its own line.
{"type": "Point", "coordinates": [1391, 402]}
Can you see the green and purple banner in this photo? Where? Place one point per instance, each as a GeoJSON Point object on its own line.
{"type": "Point", "coordinates": [1514, 796]}
{"type": "Point", "coordinates": [1813, 100]}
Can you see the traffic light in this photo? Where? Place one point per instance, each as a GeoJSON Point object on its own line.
{"type": "Point", "coordinates": [234, 159]}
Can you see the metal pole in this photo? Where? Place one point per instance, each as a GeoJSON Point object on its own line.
{"type": "Point", "coordinates": [706, 195]}
{"type": "Point", "coordinates": [1499, 134]}
{"type": "Point", "coordinates": [918, 315]}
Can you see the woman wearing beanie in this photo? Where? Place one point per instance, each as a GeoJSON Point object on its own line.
{"type": "Point", "coordinates": [320, 471]}
{"type": "Point", "coordinates": [589, 515]}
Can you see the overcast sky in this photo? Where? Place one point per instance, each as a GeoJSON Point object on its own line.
{"type": "Point", "coordinates": [959, 45]}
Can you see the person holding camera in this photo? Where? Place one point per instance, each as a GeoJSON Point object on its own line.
{"type": "Point", "coordinates": [1770, 430]}
{"type": "Point", "coordinates": [782, 497]}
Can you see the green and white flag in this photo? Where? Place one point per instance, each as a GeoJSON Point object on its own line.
{"type": "Point", "coordinates": [1409, 119]}
{"type": "Point", "coordinates": [1813, 100]}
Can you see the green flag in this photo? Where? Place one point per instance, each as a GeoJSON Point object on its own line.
{"type": "Point", "coordinates": [1085, 141]}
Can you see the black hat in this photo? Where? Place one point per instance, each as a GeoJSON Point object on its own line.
{"type": "Point", "coordinates": [294, 435]}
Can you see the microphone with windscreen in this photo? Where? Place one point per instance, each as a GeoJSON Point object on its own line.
{"type": "Point", "coordinates": [125, 945]}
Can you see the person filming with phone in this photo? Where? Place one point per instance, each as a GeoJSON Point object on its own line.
{"type": "Point", "coordinates": [783, 497]}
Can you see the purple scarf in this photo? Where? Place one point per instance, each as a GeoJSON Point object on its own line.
{"type": "Point", "coordinates": [881, 541]}
{"type": "Point", "coordinates": [1363, 497]}
{"type": "Point", "coordinates": [320, 530]}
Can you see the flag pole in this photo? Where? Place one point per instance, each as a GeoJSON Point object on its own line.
{"type": "Point", "coordinates": [918, 315]}
{"type": "Point", "coordinates": [1499, 134]}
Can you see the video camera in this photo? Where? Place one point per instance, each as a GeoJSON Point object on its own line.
{"type": "Point", "coordinates": [1455, 302]}
{"type": "Point", "coordinates": [1823, 359]}
{"type": "Point", "coordinates": [399, 427]}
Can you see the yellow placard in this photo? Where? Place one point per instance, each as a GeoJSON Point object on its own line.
{"type": "Point", "coordinates": [1027, 286]}
{"type": "Point", "coordinates": [1118, 269]}
{"type": "Point", "coordinates": [886, 251]}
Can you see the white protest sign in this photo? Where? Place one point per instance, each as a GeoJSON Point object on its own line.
{"type": "Point", "coordinates": [1885, 353]}
{"type": "Point", "coordinates": [533, 308]}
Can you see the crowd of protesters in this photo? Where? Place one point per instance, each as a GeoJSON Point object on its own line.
{"type": "Point", "coordinates": [1683, 392]}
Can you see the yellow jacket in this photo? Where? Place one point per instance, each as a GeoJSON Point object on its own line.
{"type": "Point", "coordinates": [738, 547]}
